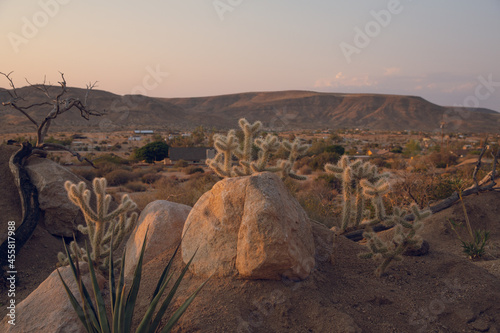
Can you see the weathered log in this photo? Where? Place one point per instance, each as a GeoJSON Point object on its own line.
{"type": "Point", "coordinates": [357, 235]}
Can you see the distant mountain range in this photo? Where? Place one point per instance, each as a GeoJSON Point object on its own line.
{"type": "Point", "coordinates": [282, 110]}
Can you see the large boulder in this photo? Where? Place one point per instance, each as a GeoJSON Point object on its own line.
{"type": "Point", "coordinates": [164, 221]}
{"type": "Point", "coordinates": [48, 309]}
{"type": "Point", "coordinates": [61, 216]}
{"type": "Point", "coordinates": [251, 227]}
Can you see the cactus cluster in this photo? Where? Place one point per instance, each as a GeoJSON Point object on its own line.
{"type": "Point", "coordinates": [405, 236]}
{"type": "Point", "coordinates": [228, 146]}
{"type": "Point", "coordinates": [102, 225]}
{"type": "Point", "coordinates": [361, 181]}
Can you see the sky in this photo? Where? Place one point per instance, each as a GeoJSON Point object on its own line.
{"type": "Point", "coordinates": [446, 51]}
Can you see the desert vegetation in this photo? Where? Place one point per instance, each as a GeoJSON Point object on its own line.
{"type": "Point", "coordinates": [355, 187]}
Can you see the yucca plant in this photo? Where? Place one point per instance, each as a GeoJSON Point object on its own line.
{"type": "Point", "coordinates": [94, 316]}
{"type": "Point", "coordinates": [474, 248]}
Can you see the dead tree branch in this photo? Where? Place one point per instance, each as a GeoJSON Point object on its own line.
{"type": "Point", "coordinates": [486, 184]}
{"type": "Point", "coordinates": [478, 164]}
{"type": "Point", "coordinates": [54, 146]}
{"type": "Point", "coordinates": [58, 105]}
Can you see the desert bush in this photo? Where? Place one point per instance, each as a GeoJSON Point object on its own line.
{"type": "Point", "coordinates": [305, 170]}
{"type": "Point", "coordinates": [193, 169]}
{"type": "Point", "coordinates": [317, 162]}
{"type": "Point", "coordinates": [380, 162]}
{"type": "Point", "coordinates": [422, 188]}
{"type": "Point", "coordinates": [150, 178]}
{"type": "Point", "coordinates": [120, 177]}
{"type": "Point", "coordinates": [86, 173]}
{"type": "Point", "coordinates": [111, 158]}
{"type": "Point", "coordinates": [136, 186]}
{"type": "Point", "coordinates": [442, 159]}
{"type": "Point", "coordinates": [105, 168]}
{"type": "Point", "coordinates": [183, 191]}
{"type": "Point", "coordinates": [317, 198]}
{"type": "Point", "coordinates": [181, 164]}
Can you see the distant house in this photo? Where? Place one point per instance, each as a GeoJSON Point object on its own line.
{"type": "Point", "coordinates": [144, 132]}
{"type": "Point", "coordinates": [135, 138]}
{"type": "Point", "coordinates": [189, 154]}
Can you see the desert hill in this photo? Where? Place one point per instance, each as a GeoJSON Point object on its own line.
{"type": "Point", "coordinates": [277, 110]}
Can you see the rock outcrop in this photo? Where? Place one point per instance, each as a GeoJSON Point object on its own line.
{"type": "Point", "coordinates": [249, 227]}
{"type": "Point", "coordinates": [165, 221]}
{"type": "Point", "coordinates": [61, 216]}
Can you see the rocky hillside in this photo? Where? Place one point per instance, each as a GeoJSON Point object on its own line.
{"type": "Point", "coordinates": [277, 110]}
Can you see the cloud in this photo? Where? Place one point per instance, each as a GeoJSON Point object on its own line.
{"type": "Point", "coordinates": [340, 80]}
{"type": "Point", "coordinates": [391, 71]}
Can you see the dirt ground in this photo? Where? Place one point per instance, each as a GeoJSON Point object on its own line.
{"type": "Point", "coordinates": [439, 292]}
{"type": "Point", "coordinates": [442, 291]}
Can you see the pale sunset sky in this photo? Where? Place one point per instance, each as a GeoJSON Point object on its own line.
{"type": "Point", "coordinates": [447, 51]}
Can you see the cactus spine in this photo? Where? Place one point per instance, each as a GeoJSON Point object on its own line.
{"type": "Point", "coordinates": [228, 146]}
{"type": "Point", "coordinates": [102, 225]}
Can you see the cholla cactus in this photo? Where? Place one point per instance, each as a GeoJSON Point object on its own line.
{"type": "Point", "coordinates": [360, 181]}
{"type": "Point", "coordinates": [244, 155]}
{"type": "Point", "coordinates": [405, 236]}
{"type": "Point", "coordinates": [101, 224]}
{"type": "Point", "coordinates": [229, 146]}
{"type": "Point", "coordinates": [226, 146]}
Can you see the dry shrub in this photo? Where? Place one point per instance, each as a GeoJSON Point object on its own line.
{"type": "Point", "coordinates": [318, 198]}
{"type": "Point", "coordinates": [193, 169]}
{"type": "Point", "coordinates": [136, 187]}
{"type": "Point", "coordinates": [142, 199]}
{"type": "Point", "coordinates": [184, 191]}
{"type": "Point", "coordinates": [181, 164]}
{"type": "Point", "coordinates": [424, 188]}
{"type": "Point", "coordinates": [150, 178]}
{"type": "Point", "coordinates": [88, 174]}
{"type": "Point", "coordinates": [120, 177]}
{"type": "Point", "coordinates": [305, 170]}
